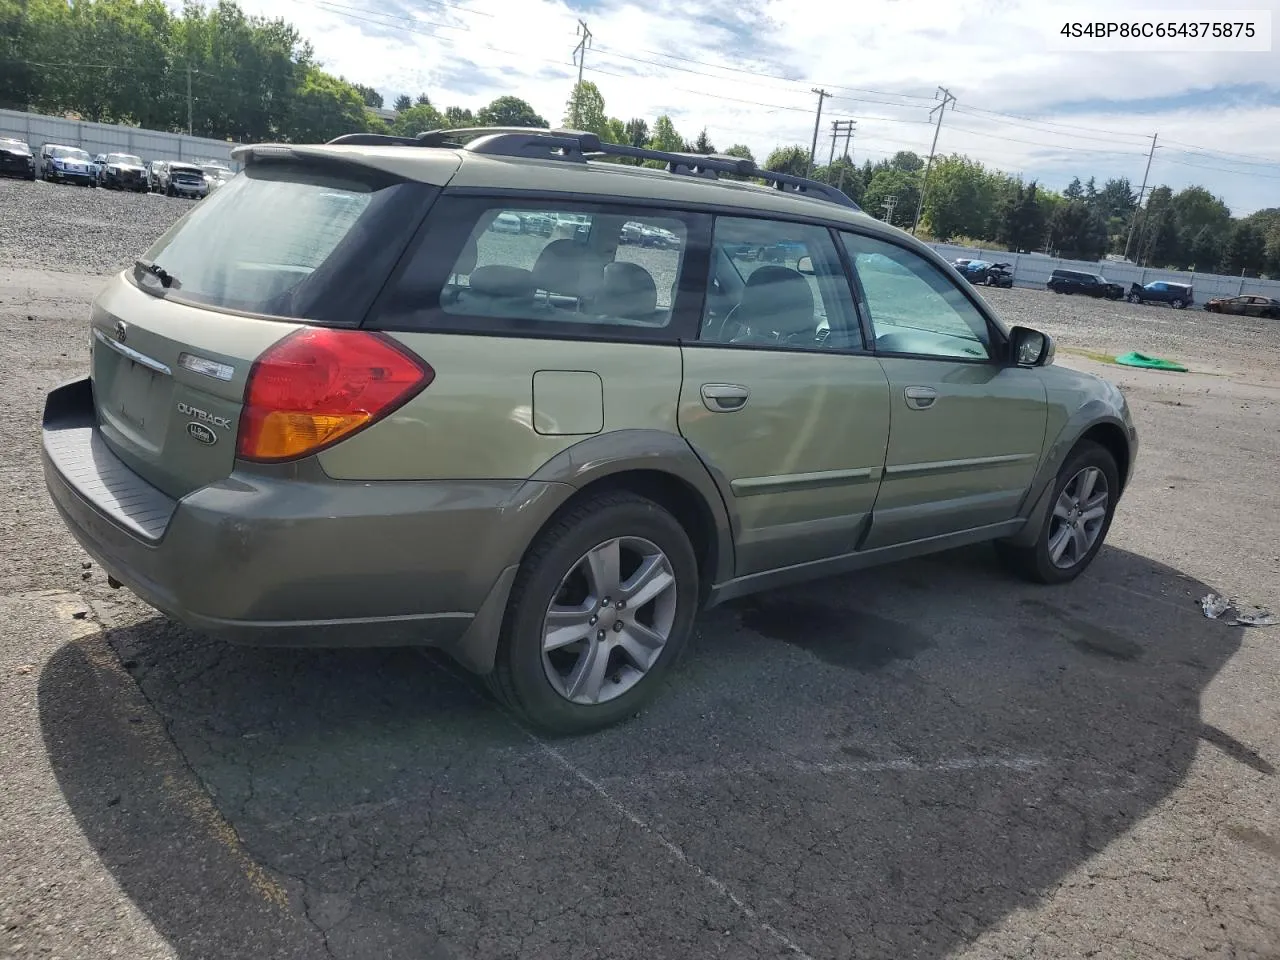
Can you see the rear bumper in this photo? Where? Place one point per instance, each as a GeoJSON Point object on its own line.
{"type": "Point", "coordinates": [289, 557]}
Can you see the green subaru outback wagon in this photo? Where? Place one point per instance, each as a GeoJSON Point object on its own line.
{"type": "Point", "coordinates": [440, 390]}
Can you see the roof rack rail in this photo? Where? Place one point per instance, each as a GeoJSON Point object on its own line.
{"type": "Point", "coordinates": [579, 146]}
{"type": "Point", "coordinates": [371, 140]}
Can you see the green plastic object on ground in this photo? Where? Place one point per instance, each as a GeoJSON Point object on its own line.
{"type": "Point", "coordinates": [1135, 359]}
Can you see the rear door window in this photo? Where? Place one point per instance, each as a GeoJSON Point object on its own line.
{"type": "Point", "coordinates": [544, 269]}
{"type": "Point", "coordinates": [778, 284]}
{"type": "Point", "coordinates": [290, 241]}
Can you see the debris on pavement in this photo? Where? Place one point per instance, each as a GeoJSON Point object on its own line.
{"type": "Point", "coordinates": [1216, 606]}
{"type": "Point", "coordinates": [1257, 617]}
{"type": "Point", "coordinates": [1135, 359]}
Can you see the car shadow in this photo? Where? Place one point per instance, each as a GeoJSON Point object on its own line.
{"type": "Point", "coordinates": [876, 766]}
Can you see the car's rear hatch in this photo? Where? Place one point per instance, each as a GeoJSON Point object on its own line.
{"type": "Point", "coordinates": [285, 246]}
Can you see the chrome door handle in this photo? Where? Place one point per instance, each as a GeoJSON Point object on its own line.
{"type": "Point", "coordinates": [724, 397]}
{"type": "Point", "coordinates": [920, 398]}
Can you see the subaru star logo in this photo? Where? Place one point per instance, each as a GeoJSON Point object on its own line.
{"type": "Point", "coordinates": [122, 331]}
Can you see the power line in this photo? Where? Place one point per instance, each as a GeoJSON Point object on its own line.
{"type": "Point", "coordinates": [1040, 143]}
{"type": "Point", "coordinates": [341, 9]}
{"type": "Point", "coordinates": [754, 73]}
{"type": "Point", "coordinates": [1050, 123]}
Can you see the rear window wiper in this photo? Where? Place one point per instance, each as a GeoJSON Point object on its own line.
{"type": "Point", "coordinates": [167, 280]}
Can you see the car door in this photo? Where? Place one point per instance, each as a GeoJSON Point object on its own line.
{"type": "Point", "coordinates": [781, 399]}
{"type": "Point", "coordinates": [966, 430]}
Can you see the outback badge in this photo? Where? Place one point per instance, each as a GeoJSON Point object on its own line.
{"type": "Point", "coordinates": [198, 431]}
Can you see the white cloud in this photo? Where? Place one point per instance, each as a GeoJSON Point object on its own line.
{"type": "Point", "coordinates": [993, 55]}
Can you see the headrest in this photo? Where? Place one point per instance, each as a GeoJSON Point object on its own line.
{"type": "Point", "coordinates": [778, 299]}
{"type": "Point", "coordinates": [628, 290]}
{"type": "Point", "coordinates": [467, 258]}
{"type": "Point", "coordinates": [507, 283]}
{"type": "Point", "coordinates": [568, 268]}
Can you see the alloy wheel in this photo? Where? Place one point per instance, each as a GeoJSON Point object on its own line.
{"type": "Point", "coordinates": [609, 620]}
{"type": "Point", "coordinates": [1078, 517]}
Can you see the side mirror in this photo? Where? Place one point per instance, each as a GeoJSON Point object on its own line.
{"type": "Point", "coordinates": [805, 265]}
{"type": "Point", "coordinates": [1030, 348]}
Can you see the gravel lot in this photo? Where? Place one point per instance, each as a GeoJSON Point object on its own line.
{"type": "Point", "coordinates": [50, 226]}
{"type": "Point", "coordinates": [925, 761]}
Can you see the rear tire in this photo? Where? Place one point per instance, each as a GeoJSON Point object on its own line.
{"type": "Point", "coordinates": [1177, 304]}
{"type": "Point", "coordinates": [1133, 298]}
{"type": "Point", "coordinates": [1076, 492]}
{"type": "Point", "coordinates": [554, 689]}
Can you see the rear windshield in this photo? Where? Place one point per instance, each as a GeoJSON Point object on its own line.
{"type": "Point", "coordinates": [273, 241]}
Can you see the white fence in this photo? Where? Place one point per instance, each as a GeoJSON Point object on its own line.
{"type": "Point", "coordinates": [1033, 270]}
{"type": "Point", "coordinates": [38, 129]}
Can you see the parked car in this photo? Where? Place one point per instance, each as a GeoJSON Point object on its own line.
{"type": "Point", "coordinates": [16, 159]}
{"type": "Point", "coordinates": [779, 252]}
{"type": "Point", "coordinates": [986, 273]}
{"type": "Point", "coordinates": [1088, 284]}
{"type": "Point", "coordinates": [67, 164]}
{"type": "Point", "coordinates": [177, 179]}
{"type": "Point", "coordinates": [1177, 295]}
{"type": "Point", "coordinates": [1246, 306]}
{"type": "Point", "coordinates": [123, 171]}
{"type": "Point", "coordinates": [155, 175]}
{"type": "Point", "coordinates": [216, 174]}
{"type": "Point", "coordinates": [506, 223]}
{"type": "Point", "coordinates": [330, 411]}
{"type": "Point", "coordinates": [538, 224]}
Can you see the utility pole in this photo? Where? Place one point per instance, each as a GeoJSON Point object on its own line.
{"type": "Point", "coordinates": [580, 58]}
{"type": "Point", "coordinates": [1141, 193]}
{"type": "Point", "coordinates": [941, 109]}
{"type": "Point", "coordinates": [838, 127]}
{"type": "Point", "coordinates": [817, 122]}
{"type": "Point", "coordinates": [889, 203]}
{"type": "Point", "coordinates": [188, 98]}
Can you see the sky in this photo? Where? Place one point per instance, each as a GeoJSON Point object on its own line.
{"type": "Point", "coordinates": [1027, 101]}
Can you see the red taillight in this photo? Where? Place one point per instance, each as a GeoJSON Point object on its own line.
{"type": "Point", "coordinates": [319, 385]}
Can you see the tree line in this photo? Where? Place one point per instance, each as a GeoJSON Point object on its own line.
{"type": "Point", "coordinates": [229, 76]}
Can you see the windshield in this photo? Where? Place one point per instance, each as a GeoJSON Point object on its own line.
{"type": "Point", "coordinates": [18, 145]}
{"type": "Point", "coordinates": [126, 158]}
{"type": "Point", "coordinates": [70, 153]}
{"type": "Point", "coordinates": [213, 170]}
{"type": "Point", "coordinates": [253, 245]}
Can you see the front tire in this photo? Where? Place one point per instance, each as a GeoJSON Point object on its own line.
{"type": "Point", "coordinates": [1084, 501]}
{"type": "Point", "coordinates": [602, 608]}
{"type": "Point", "coordinates": [1134, 298]}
